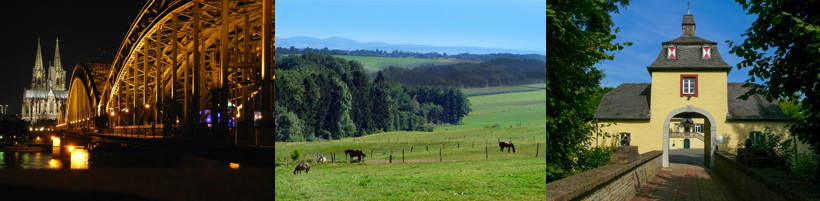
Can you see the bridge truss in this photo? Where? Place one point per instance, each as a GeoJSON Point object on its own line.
{"type": "Point", "coordinates": [203, 64]}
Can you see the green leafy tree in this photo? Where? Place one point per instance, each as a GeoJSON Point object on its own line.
{"type": "Point", "coordinates": [792, 71]}
{"type": "Point", "coordinates": [288, 126]}
{"type": "Point", "coordinates": [295, 154]}
{"type": "Point", "coordinates": [580, 35]}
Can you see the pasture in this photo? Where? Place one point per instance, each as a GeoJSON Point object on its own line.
{"type": "Point", "coordinates": [503, 89]}
{"type": "Point", "coordinates": [453, 162]}
{"type": "Point", "coordinates": [373, 64]}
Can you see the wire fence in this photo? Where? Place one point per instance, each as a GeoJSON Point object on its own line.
{"type": "Point", "coordinates": [428, 153]}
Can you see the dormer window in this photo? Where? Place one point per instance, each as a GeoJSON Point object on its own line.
{"type": "Point", "coordinates": [706, 53]}
{"type": "Point", "coordinates": [670, 51]}
{"type": "Point", "coordinates": [689, 85]}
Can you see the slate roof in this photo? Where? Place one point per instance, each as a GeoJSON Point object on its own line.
{"type": "Point", "coordinates": [632, 101]}
{"type": "Point", "coordinates": [627, 101]}
{"type": "Point", "coordinates": [754, 108]}
{"type": "Point", "coordinates": [688, 19]}
{"type": "Point", "coordinates": [689, 40]}
{"type": "Point", "coordinates": [690, 57]}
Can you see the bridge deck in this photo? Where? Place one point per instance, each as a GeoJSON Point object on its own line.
{"type": "Point", "coordinates": [687, 180]}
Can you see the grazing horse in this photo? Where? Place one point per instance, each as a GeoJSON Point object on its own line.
{"type": "Point", "coordinates": [301, 167]}
{"type": "Point", "coordinates": [355, 153]}
{"type": "Point", "coordinates": [508, 145]}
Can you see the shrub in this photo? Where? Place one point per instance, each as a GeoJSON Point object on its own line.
{"type": "Point", "coordinates": [554, 172]}
{"type": "Point", "coordinates": [592, 158]}
{"type": "Point", "coordinates": [295, 155]}
{"type": "Point", "coordinates": [805, 166]}
{"type": "Point", "coordinates": [777, 151]}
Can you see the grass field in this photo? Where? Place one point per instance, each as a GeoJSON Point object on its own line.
{"type": "Point", "coordinates": [501, 90]}
{"type": "Point", "coordinates": [473, 168]}
{"type": "Point", "coordinates": [373, 64]}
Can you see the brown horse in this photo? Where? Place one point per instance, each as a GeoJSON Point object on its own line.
{"type": "Point", "coordinates": [355, 153]}
{"type": "Point", "coordinates": [301, 167]}
{"type": "Point", "coordinates": [508, 145]}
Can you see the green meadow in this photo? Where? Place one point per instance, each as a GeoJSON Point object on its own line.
{"type": "Point", "coordinates": [373, 64]}
{"type": "Point", "coordinates": [452, 162]}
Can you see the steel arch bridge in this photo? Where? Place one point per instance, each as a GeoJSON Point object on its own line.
{"type": "Point", "coordinates": [192, 63]}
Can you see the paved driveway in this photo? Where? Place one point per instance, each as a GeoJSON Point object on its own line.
{"type": "Point", "coordinates": [686, 180]}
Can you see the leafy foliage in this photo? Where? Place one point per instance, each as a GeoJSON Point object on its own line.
{"type": "Point", "coordinates": [805, 166]}
{"type": "Point", "coordinates": [792, 72]}
{"type": "Point", "coordinates": [777, 151]}
{"type": "Point", "coordinates": [296, 154]}
{"type": "Point", "coordinates": [579, 35]}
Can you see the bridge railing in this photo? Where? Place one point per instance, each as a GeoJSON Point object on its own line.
{"type": "Point", "coordinates": [245, 136]}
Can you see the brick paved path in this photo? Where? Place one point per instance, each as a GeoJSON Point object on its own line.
{"type": "Point", "coordinates": [686, 180]}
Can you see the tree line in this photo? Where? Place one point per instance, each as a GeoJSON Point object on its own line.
{"type": "Point", "coordinates": [402, 54]}
{"type": "Point", "coordinates": [321, 96]}
{"type": "Point", "coordinates": [497, 72]}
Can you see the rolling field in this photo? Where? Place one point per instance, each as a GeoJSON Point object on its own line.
{"type": "Point", "coordinates": [467, 171]}
{"type": "Point", "coordinates": [373, 64]}
{"type": "Point", "coordinates": [501, 90]}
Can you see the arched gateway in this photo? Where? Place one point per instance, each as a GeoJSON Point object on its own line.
{"type": "Point", "coordinates": [691, 111]}
{"type": "Point", "coordinates": [691, 98]}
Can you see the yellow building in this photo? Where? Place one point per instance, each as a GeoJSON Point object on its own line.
{"type": "Point", "coordinates": [689, 85]}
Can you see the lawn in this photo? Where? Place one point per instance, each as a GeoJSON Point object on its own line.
{"type": "Point", "coordinates": [472, 166]}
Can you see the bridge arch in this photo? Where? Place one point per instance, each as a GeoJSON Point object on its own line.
{"type": "Point", "coordinates": [87, 81]}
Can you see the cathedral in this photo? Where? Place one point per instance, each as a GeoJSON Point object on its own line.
{"type": "Point", "coordinates": [43, 100]}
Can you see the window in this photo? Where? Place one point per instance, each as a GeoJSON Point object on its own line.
{"type": "Point", "coordinates": [698, 128]}
{"type": "Point", "coordinates": [677, 127]}
{"type": "Point", "coordinates": [689, 85]}
{"type": "Point", "coordinates": [624, 139]}
{"type": "Point", "coordinates": [755, 136]}
{"type": "Point", "coordinates": [706, 53]}
{"type": "Point", "coordinates": [670, 53]}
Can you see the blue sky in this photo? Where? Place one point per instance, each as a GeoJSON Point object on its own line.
{"type": "Point", "coordinates": [519, 25]}
{"type": "Point", "coordinates": [649, 23]}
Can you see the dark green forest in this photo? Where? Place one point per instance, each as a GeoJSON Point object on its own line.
{"type": "Point", "coordinates": [497, 72]}
{"type": "Point", "coordinates": [320, 96]}
{"type": "Point", "coordinates": [281, 51]}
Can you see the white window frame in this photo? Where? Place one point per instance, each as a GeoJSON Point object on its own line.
{"type": "Point", "coordinates": [685, 85]}
{"type": "Point", "coordinates": [755, 135]}
{"type": "Point", "coordinates": [698, 128]}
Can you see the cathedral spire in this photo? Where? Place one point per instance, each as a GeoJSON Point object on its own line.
{"type": "Point", "coordinates": [38, 63]}
{"type": "Point", "coordinates": [57, 62]}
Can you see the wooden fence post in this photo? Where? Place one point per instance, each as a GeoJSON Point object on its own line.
{"type": "Point", "coordinates": [485, 153]}
{"type": "Point", "coordinates": [402, 155]}
{"type": "Point", "coordinates": [428, 147]}
{"type": "Point", "coordinates": [411, 148]}
{"type": "Point", "coordinates": [473, 144]}
{"type": "Point", "coordinates": [538, 146]}
{"type": "Point", "coordinates": [439, 154]}
{"type": "Point", "coordinates": [459, 145]}
{"type": "Point", "coordinates": [371, 154]}
{"type": "Point", "coordinates": [391, 157]}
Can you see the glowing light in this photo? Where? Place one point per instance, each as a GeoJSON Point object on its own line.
{"type": "Point", "coordinates": [234, 166]}
{"type": "Point", "coordinates": [126, 110]}
{"type": "Point", "coordinates": [147, 106]}
{"type": "Point", "coordinates": [55, 164]}
{"type": "Point", "coordinates": [30, 129]}
{"type": "Point", "coordinates": [112, 113]}
{"type": "Point", "coordinates": [38, 138]}
{"type": "Point", "coordinates": [237, 115]}
{"type": "Point", "coordinates": [79, 159]}
{"type": "Point", "coordinates": [70, 148]}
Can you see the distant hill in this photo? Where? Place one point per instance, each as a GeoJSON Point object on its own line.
{"type": "Point", "coordinates": [350, 44]}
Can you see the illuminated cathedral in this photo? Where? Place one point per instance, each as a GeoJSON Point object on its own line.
{"type": "Point", "coordinates": [48, 93]}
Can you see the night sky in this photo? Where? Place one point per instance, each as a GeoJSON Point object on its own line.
{"type": "Point", "coordinates": [89, 32]}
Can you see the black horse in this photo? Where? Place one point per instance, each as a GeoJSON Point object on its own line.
{"type": "Point", "coordinates": [508, 145]}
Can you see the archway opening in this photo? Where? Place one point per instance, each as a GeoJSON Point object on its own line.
{"type": "Point", "coordinates": [688, 137]}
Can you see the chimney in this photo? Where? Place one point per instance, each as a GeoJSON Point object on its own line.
{"type": "Point", "coordinates": [688, 25]}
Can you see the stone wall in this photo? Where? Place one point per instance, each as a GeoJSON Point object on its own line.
{"type": "Point", "coordinates": [764, 184]}
{"type": "Point", "coordinates": [610, 182]}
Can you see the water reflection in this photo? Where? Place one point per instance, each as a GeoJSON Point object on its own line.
{"type": "Point", "coordinates": [105, 156]}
